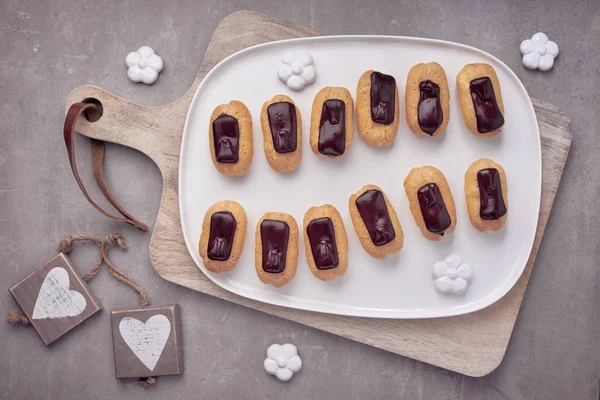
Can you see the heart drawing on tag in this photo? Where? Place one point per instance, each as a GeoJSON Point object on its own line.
{"type": "Point", "coordinates": [148, 340]}
{"type": "Point", "coordinates": [55, 299]}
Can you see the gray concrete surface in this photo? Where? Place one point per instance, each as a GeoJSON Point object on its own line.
{"type": "Point", "coordinates": [49, 47]}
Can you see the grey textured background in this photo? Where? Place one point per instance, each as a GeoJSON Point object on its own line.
{"type": "Point", "coordinates": [47, 48]}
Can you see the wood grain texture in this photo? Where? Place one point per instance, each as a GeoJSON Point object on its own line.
{"type": "Point", "coordinates": [472, 344]}
{"type": "Point", "coordinates": [27, 292]}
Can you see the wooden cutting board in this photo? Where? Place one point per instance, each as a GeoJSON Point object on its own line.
{"type": "Point", "coordinates": [472, 344]}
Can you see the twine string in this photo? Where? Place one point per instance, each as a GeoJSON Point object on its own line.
{"type": "Point", "coordinates": [116, 239]}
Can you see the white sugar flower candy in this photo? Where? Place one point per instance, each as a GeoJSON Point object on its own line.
{"type": "Point", "coordinates": [539, 52]}
{"type": "Point", "coordinates": [452, 275]}
{"type": "Point", "coordinates": [282, 361]}
{"type": "Point", "coordinates": [144, 65]}
{"type": "Point", "coordinates": [296, 70]}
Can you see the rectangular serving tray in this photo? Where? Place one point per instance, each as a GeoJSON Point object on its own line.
{"type": "Point", "coordinates": [402, 285]}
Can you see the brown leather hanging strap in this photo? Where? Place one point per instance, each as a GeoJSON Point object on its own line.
{"type": "Point", "coordinates": [92, 113]}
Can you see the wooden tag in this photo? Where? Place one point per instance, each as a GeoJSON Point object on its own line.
{"type": "Point", "coordinates": [55, 298]}
{"type": "Point", "coordinates": [147, 342]}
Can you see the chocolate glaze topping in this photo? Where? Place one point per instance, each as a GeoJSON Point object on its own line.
{"type": "Point", "coordinates": [489, 116]}
{"type": "Point", "coordinates": [374, 212]}
{"type": "Point", "coordinates": [321, 236]}
{"type": "Point", "coordinates": [222, 233]}
{"type": "Point", "coordinates": [433, 209]}
{"type": "Point", "coordinates": [383, 98]}
{"type": "Point", "coordinates": [274, 236]}
{"type": "Point", "coordinates": [430, 113]}
{"type": "Point", "coordinates": [226, 137]}
{"type": "Point", "coordinates": [332, 128]}
{"type": "Point", "coordinates": [282, 123]}
{"type": "Point", "coordinates": [491, 200]}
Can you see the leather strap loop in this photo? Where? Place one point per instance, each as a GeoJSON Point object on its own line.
{"type": "Point", "coordinates": [93, 114]}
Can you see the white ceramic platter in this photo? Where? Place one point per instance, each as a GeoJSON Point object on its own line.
{"type": "Point", "coordinates": [402, 285]}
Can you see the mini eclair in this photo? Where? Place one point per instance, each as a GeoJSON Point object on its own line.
{"type": "Point", "coordinates": [481, 99]}
{"type": "Point", "coordinates": [486, 192]}
{"type": "Point", "coordinates": [223, 234]}
{"type": "Point", "coordinates": [281, 124]}
{"type": "Point", "coordinates": [427, 99]}
{"type": "Point", "coordinates": [377, 108]}
{"type": "Point", "coordinates": [431, 202]}
{"type": "Point", "coordinates": [230, 138]}
{"type": "Point", "coordinates": [376, 222]}
{"type": "Point", "coordinates": [276, 256]}
{"type": "Point", "coordinates": [325, 242]}
{"type": "Point", "coordinates": [331, 123]}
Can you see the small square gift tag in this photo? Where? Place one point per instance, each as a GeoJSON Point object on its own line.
{"type": "Point", "coordinates": [55, 299]}
{"type": "Point", "coordinates": [147, 342]}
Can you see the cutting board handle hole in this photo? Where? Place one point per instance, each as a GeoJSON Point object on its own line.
{"type": "Point", "coordinates": [93, 115]}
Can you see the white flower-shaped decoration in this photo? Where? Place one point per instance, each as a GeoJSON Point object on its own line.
{"type": "Point", "coordinates": [539, 52]}
{"type": "Point", "coordinates": [282, 361]}
{"type": "Point", "coordinates": [296, 70]}
{"type": "Point", "coordinates": [452, 275]}
{"type": "Point", "coordinates": [144, 65]}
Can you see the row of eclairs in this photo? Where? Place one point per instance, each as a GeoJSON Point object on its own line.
{"type": "Point", "coordinates": [331, 133]}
